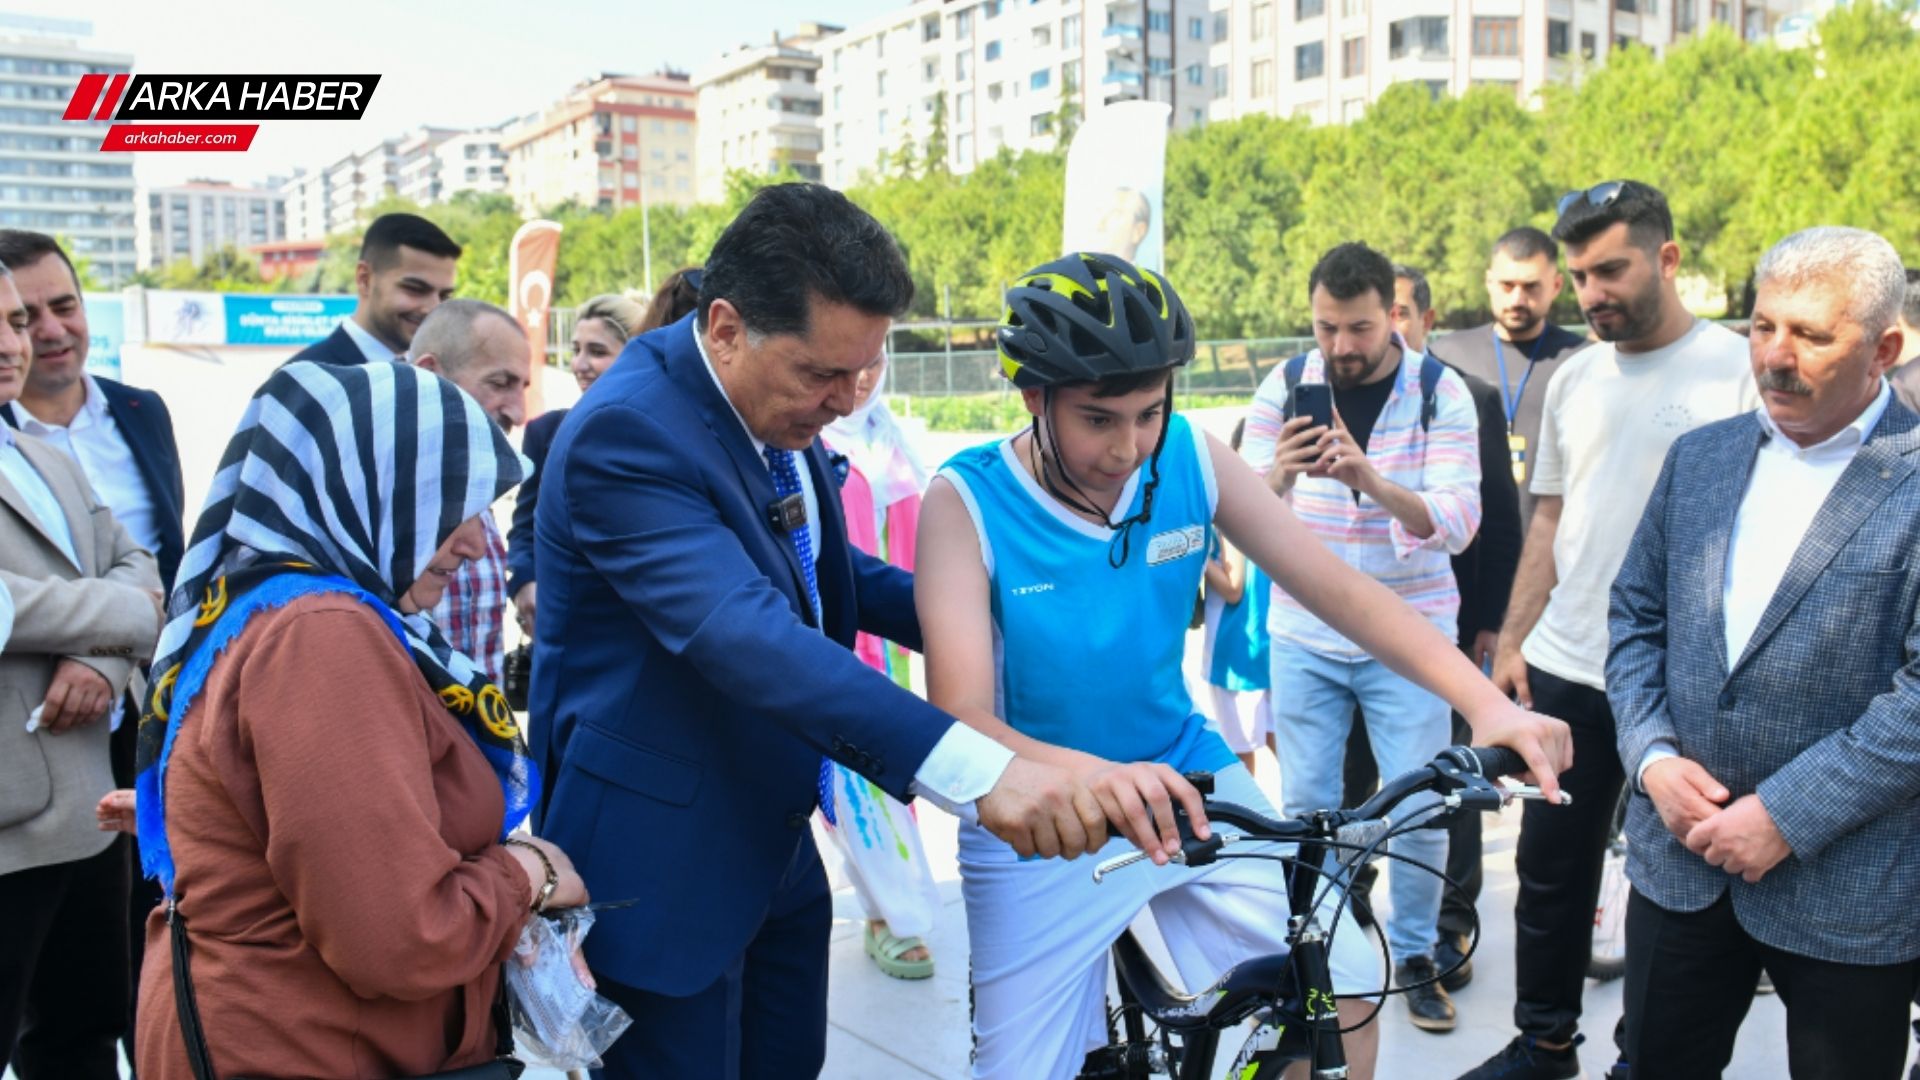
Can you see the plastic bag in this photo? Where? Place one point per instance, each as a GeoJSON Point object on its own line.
{"type": "Point", "coordinates": [556, 1017]}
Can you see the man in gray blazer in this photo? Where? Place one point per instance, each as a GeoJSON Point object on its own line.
{"type": "Point", "coordinates": [86, 605]}
{"type": "Point", "coordinates": [1765, 673]}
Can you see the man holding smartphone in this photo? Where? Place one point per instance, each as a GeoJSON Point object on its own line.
{"type": "Point", "coordinates": [1375, 446]}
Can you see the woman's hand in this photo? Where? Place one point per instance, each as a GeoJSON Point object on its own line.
{"type": "Point", "coordinates": [569, 890]}
{"type": "Point", "coordinates": [116, 813]}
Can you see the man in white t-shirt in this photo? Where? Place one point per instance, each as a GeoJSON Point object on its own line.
{"type": "Point", "coordinates": [1611, 413]}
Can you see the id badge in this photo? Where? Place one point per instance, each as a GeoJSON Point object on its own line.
{"type": "Point", "coordinates": [1517, 449]}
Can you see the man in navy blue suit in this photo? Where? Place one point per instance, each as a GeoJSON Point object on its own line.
{"type": "Point", "coordinates": [123, 439]}
{"type": "Point", "coordinates": [406, 268]}
{"type": "Point", "coordinates": [698, 605]}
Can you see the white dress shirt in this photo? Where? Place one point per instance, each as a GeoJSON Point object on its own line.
{"type": "Point", "coordinates": [965, 764]}
{"type": "Point", "coordinates": [39, 496]}
{"type": "Point", "coordinates": [1790, 483]}
{"type": "Point", "coordinates": [371, 347]}
{"type": "Point", "coordinates": [94, 442]}
{"type": "Point", "coordinates": [6, 616]}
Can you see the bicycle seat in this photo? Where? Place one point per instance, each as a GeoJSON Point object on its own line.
{"type": "Point", "coordinates": [1236, 994]}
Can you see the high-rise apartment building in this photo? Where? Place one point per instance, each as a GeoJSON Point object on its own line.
{"type": "Point", "coordinates": [760, 110]}
{"type": "Point", "coordinates": [193, 220]}
{"type": "Point", "coordinates": [53, 177]}
{"type": "Point", "coordinates": [598, 146]}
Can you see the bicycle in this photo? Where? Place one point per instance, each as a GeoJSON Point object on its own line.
{"type": "Point", "coordinates": [1289, 992]}
{"type": "Point", "coordinates": [1609, 959]}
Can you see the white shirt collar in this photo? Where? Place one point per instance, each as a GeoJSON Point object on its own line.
{"type": "Point", "coordinates": [93, 409]}
{"type": "Point", "coordinates": [1847, 439]}
{"type": "Point", "coordinates": [371, 347]}
{"type": "Point", "coordinates": [700, 343]}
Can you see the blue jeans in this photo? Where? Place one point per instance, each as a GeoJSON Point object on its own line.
{"type": "Point", "coordinates": [1313, 701]}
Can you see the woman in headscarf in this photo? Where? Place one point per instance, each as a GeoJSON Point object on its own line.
{"type": "Point", "coordinates": [878, 837]}
{"type": "Point", "coordinates": [325, 785]}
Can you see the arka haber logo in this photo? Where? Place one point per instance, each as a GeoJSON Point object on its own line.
{"type": "Point", "coordinates": [188, 101]}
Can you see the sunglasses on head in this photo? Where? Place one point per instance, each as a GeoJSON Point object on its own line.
{"type": "Point", "coordinates": [1597, 196]}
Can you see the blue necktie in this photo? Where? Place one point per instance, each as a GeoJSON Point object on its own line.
{"type": "Point", "coordinates": [786, 483]}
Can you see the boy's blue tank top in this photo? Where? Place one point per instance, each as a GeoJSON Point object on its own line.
{"type": "Point", "coordinates": [1088, 656]}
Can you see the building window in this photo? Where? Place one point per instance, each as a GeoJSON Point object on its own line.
{"type": "Point", "coordinates": [836, 61]}
{"type": "Point", "coordinates": [1628, 6]}
{"type": "Point", "coordinates": [1040, 79]}
{"type": "Point", "coordinates": [991, 9]}
{"type": "Point", "coordinates": [1309, 61]}
{"type": "Point", "coordinates": [1221, 81]}
{"type": "Point", "coordinates": [1589, 45]}
{"type": "Point", "coordinates": [1197, 29]}
{"type": "Point", "coordinates": [1423, 37]}
{"type": "Point", "coordinates": [963, 150]}
{"type": "Point", "coordinates": [659, 127]}
{"type": "Point", "coordinates": [930, 28]}
{"type": "Point", "coordinates": [1685, 17]}
{"type": "Point", "coordinates": [837, 102]}
{"type": "Point", "coordinates": [1621, 41]}
{"type": "Point", "coordinates": [880, 46]}
{"type": "Point", "coordinates": [1070, 32]}
{"type": "Point", "coordinates": [1160, 22]}
{"type": "Point", "coordinates": [631, 152]}
{"type": "Point", "coordinates": [1436, 88]}
{"type": "Point", "coordinates": [1261, 81]}
{"type": "Point", "coordinates": [930, 71]}
{"type": "Point", "coordinates": [962, 67]}
{"type": "Point", "coordinates": [963, 107]}
{"type": "Point", "coordinates": [1350, 8]}
{"type": "Point", "coordinates": [880, 85]}
{"type": "Point", "coordinates": [1352, 109]}
{"type": "Point", "coordinates": [1558, 35]}
{"type": "Point", "coordinates": [1160, 65]}
{"type": "Point", "coordinates": [1723, 12]}
{"type": "Point", "coordinates": [1197, 116]}
{"type": "Point", "coordinates": [1496, 35]}
{"type": "Point", "coordinates": [883, 123]}
{"type": "Point", "coordinates": [839, 134]}
{"type": "Point", "coordinates": [1261, 21]}
{"type": "Point", "coordinates": [992, 51]}
{"type": "Point", "coordinates": [1307, 9]}
{"type": "Point", "coordinates": [1353, 57]}
{"type": "Point", "coordinates": [1196, 75]}
{"type": "Point", "coordinates": [962, 25]}
{"type": "Point", "coordinates": [1041, 124]}
{"type": "Point", "coordinates": [993, 92]}
{"type": "Point", "coordinates": [1042, 37]}
{"type": "Point", "coordinates": [1069, 75]}
{"type": "Point", "coordinates": [628, 124]}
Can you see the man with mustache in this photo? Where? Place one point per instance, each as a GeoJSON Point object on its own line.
{"type": "Point", "coordinates": [1765, 648]}
{"type": "Point", "coordinates": [1656, 373]}
{"type": "Point", "coordinates": [481, 349]}
{"type": "Point", "coordinates": [406, 269]}
{"type": "Point", "coordinates": [1393, 488]}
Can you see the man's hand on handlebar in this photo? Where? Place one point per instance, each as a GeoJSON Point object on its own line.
{"type": "Point", "coordinates": [1043, 809]}
{"type": "Point", "coordinates": [1545, 743]}
{"type": "Point", "coordinates": [1138, 800]}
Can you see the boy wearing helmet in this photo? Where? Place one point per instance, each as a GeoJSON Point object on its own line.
{"type": "Point", "coordinates": [1056, 580]}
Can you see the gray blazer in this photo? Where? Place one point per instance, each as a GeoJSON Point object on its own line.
{"type": "Point", "coordinates": [98, 613]}
{"type": "Point", "coordinates": [1820, 715]}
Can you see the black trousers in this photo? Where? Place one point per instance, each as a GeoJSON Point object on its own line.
{"type": "Point", "coordinates": [765, 1017]}
{"type": "Point", "coordinates": [1558, 863]}
{"type": "Point", "coordinates": [1690, 979]}
{"type": "Point", "coordinates": [63, 967]}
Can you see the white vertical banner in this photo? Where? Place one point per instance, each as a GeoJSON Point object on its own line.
{"type": "Point", "coordinates": [1116, 178]}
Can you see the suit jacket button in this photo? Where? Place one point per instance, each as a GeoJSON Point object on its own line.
{"type": "Point", "coordinates": [1727, 700]}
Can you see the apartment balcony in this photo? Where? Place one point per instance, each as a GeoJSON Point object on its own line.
{"type": "Point", "coordinates": [1122, 38]}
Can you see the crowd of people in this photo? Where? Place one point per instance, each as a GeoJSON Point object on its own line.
{"type": "Point", "coordinates": [267, 807]}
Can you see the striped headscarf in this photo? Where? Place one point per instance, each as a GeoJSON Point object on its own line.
{"type": "Point", "coordinates": [343, 479]}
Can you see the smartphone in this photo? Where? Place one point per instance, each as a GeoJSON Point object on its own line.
{"type": "Point", "coordinates": [1313, 400]}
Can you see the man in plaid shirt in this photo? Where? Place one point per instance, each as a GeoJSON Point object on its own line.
{"type": "Point", "coordinates": [481, 349]}
{"type": "Point", "coordinates": [1393, 488]}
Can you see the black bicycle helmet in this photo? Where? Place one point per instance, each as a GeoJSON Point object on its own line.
{"type": "Point", "coordinates": [1087, 316]}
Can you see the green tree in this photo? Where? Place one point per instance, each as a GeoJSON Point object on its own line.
{"type": "Point", "coordinates": [936, 153]}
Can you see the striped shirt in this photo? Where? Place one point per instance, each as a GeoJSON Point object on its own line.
{"type": "Point", "coordinates": [1440, 465]}
{"type": "Point", "coordinates": [472, 610]}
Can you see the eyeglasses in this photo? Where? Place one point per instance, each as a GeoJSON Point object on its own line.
{"type": "Point", "coordinates": [1597, 196]}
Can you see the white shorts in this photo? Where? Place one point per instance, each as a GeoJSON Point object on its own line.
{"type": "Point", "coordinates": [1041, 930]}
{"type": "Point", "coordinates": [1243, 716]}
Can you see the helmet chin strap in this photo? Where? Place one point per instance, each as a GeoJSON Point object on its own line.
{"type": "Point", "coordinates": [1047, 452]}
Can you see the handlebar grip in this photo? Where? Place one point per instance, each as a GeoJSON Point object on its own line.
{"type": "Point", "coordinates": [1498, 761]}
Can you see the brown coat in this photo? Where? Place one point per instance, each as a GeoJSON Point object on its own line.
{"type": "Point", "coordinates": [334, 833]}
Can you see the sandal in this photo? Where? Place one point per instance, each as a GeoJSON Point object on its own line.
{"type": "Point", "coordinates": [887, 950]}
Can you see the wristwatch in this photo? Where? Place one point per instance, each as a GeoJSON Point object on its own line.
{"type": "Point", "coordinates": [553, 879]}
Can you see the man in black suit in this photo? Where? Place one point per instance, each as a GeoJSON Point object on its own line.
{"type": "Point", "coordinates": [406, 268]}
{"type": "Point", "coordinates": [122, 438]}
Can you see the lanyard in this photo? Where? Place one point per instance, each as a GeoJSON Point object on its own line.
{"type": "Point", "coordinates": [1508, 395]}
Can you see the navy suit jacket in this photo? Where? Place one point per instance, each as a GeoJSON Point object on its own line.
{"type": "Point", "coordinates": [684, 693]}
{"type": "Point", "coordinates": [534, 443]}
{"type": "Point", "coordinates": [1819, 715]}
{"type": "Point", "coordinates": [147, 427]}
{"type": "Point", "coordinates": [335, 348]}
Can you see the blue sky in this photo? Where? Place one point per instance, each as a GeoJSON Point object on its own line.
{"type": "Point", "coordinates": [444, 62]}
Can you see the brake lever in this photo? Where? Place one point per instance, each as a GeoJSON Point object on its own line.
{"type": "Point", "coordinates": [1531, 792]}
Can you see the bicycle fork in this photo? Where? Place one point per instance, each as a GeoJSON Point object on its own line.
{"type": "Point", "coordinates": [1311, 973]}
